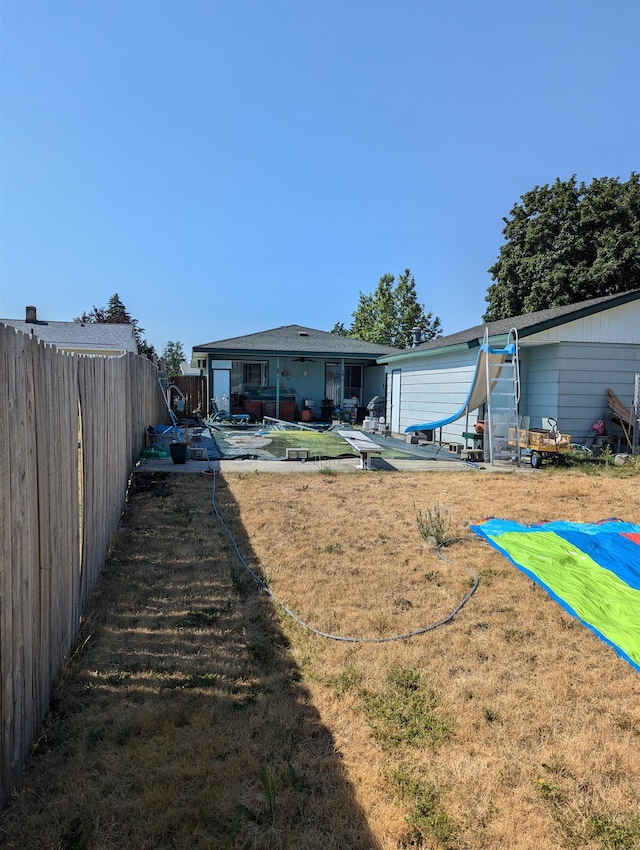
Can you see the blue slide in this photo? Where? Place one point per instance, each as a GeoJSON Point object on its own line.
{"type": "Point", "coordinates": [478, 391]}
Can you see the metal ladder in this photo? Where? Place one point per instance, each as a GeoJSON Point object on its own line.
{"type": "Point", "coordinates": [503, 395]}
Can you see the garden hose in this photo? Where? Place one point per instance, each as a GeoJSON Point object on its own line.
{"type": "Point", "coordinates": [347, 639]}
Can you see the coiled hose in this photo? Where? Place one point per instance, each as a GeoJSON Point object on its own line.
{"type": "Point", "coordinates": [347, 639]}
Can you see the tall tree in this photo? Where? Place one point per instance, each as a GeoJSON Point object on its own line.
{"type": "Point", "coordinates": [116, 313]}
{"type": "Point", "coordinates": [173, 355]}
{"type": "Point", "coordinates": [389, 315]}
{"type": "Point", "coordinates": [567, 243]}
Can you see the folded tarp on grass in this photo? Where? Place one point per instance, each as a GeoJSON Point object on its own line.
{"type": "Point", "coordinates": [592, 570]}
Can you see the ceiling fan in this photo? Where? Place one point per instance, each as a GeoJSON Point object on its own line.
{"type": "Point", "coordinates": [303, 360]}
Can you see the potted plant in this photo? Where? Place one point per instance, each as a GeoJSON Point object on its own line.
{"type": "Point", "coordinates": [179, 449]}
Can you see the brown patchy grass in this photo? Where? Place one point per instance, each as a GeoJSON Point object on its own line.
{"type": "Point", "coordinates": [196, 713]}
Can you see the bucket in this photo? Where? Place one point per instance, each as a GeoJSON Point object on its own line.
{"type": "Point", "coordinates": [178, 452]}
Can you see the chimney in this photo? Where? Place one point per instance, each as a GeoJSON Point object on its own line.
{"type": "Point", "coordinates": [417, 337]}
{"type": "Point", "coordinates": [31, 315]}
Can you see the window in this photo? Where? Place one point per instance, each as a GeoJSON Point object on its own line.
{"type": "Point", "coordinates": [249, 375]}
{"type": "Point", "coordinates": [352, 382]}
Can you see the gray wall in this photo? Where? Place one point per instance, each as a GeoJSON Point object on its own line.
{"type": "Point", "coordinates": [435, 387]}
{"type": "Point", "coordinates": [570, 381]}
{"type": "Point", "coordinates": [565, 380]}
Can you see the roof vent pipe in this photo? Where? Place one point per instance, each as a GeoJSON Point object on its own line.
{"type": "Point", "coordinates": [417, 337]}
{"type": "Point", "coordinates": [31, 314]}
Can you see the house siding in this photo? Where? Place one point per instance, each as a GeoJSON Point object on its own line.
{"type": "Point", "coordinates": [539, 383]}
{"type": "Point", "coordinates": [586, 373]}
{"type": "Point", "coordinates": [434, 389]}
{"type": "Point", "coordinates": [617, 325]}
{"type": "Point", "coordinates": [374, 383]}
{"type": "Point", "coordinates": [566, 368]}
{"type": "Point", "coordinates": [569, 381]}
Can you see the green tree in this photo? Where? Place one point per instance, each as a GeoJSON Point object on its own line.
{"type": "Point", "coordinates": [173, 355]}
{"type": "Point", "coordinates": [340, 329]}
{"type": "Point", "coordinates": [389, 315]}
{"type": "Point", "coordinates": [116, 313]}
{"type": "Point", "coordinates": [566, 243]}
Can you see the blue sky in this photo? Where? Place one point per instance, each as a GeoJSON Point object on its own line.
{"type": "Point", "coordinates": [229, 167]}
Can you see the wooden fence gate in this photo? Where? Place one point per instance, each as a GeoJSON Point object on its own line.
{"type": "Point", "coordinates": [194, 389]}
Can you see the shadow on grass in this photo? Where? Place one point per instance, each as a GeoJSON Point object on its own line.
{"type": "Point", "coordinates": [182, 721]}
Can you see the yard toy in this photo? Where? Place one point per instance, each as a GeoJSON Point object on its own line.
{"type": "Point", "coordinates": [591, 570]}
{"type": "Point", "coordinates": [542, 443]}
{"type": "Point", "coordinates": [495, 367]}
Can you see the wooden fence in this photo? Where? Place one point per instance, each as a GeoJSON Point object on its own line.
{"type": "Point", "coordinates": [71, 429]}
{"type": "Point", "coordinates": [194, 389]}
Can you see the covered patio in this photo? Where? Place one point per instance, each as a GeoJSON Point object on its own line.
{"type": "Point", "coordinates": [293, 373]}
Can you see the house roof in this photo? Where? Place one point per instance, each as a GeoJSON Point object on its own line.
{"type": "Point", "coordinates": [528, 323]}
{"type": "Point", "coordinates": [297, 340]}
{"type": "Point", "coordinates": [76, 336]}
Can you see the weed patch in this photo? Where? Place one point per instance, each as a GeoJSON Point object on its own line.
{"type": "Point", "coordinates": [435, 524]}
{"type": "Point", "coordinates": [427, 816]}
{"type": "Point", "coordinates": [403, 712]}
{"type": "Point", "coordinates": [612, 832]}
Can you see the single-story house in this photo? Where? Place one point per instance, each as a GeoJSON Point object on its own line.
{"type": "Point", "coordinates": [187, 369]}
{"type": "Point", "coordinates": [292, 372]}
{"type": "Point", "coordinates": [569, 357]}
{"type": "Point", "coordinates": [92, 338]}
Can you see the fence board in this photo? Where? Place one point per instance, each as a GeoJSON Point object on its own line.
{"type": "Point", "coordinates": [31, 587]}
{"type": "Point", "coordinates": [17, 412]}
{"type": "Point", "coordinates": [42, 359]}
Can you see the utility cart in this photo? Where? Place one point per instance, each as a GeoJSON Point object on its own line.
{"type": "Point", "coordinates": [542, 443]}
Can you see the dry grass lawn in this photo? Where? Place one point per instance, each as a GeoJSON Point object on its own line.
{"type": "Point", "coordinates": [197, 714]}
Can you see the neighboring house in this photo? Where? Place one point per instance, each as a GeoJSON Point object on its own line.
{"type": "Point", "coordinates": [290, 371]}
{"type": "Point", "coordinates": [187, 369]}
{"type": "Point", "coordinates": [92, 338]}
{"type": "Point", "coordinates": [569, 358]}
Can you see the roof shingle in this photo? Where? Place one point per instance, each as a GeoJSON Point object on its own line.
{"type": "Point", "coordinates": [530, 323]}
{"type": "Point", "coordinates": [89, 336]}
{"type": "Point", "coordinates": [297, 339]}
